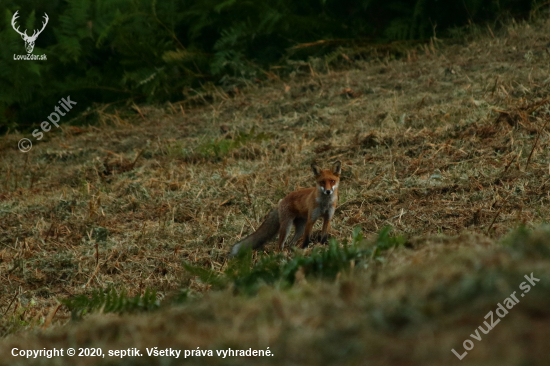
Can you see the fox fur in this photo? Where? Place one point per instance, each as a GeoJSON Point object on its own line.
{"type": "Point", "coordinates": [300, 208]}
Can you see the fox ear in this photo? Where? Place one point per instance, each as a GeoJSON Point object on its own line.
{"type": "Point", "coordinates": [316, 170]}
{"type": "Point", "coordinates": [337, 168]}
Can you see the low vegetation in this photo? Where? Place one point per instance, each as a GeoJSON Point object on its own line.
{"type": "Point", "coordinates": [116, 235]}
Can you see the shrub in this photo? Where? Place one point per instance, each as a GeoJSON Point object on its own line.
{"type": "Point", "coordinates": [105, 51]}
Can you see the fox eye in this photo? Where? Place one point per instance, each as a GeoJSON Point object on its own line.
{"type": "Point", "coordinates": [332, 182]}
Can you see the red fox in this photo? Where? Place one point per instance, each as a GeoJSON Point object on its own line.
{"type": "Point", "coordinates": [301, 208]}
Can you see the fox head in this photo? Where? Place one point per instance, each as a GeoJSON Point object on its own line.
{"type": "Point", "coordinates": [327, 179]}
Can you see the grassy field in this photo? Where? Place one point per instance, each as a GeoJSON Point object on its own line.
{"type": "Point", "coordinates": [447, 145]}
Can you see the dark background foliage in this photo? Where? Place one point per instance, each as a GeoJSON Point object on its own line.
{"type": "Point", "coordinates": [101, 51]}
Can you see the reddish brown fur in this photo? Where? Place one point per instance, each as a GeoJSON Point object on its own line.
{"type": "Point", "coordinates": [300, 208]}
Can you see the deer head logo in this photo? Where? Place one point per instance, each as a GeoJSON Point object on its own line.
{"type": "Point", "coordinates": [29, 41]}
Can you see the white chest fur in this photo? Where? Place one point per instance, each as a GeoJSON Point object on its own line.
{"type": "Point", "coordinates": [325, 206]}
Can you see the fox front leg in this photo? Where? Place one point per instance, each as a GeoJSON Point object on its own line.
{"type": "Point", "coordinates": [307, 235]}
{"type": "Point", "coordinates": [326, 228]}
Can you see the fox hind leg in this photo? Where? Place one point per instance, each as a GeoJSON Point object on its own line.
{"type": "Point", "coordinates": [300, 227]}
{"type": "Point", "coordinates": [284, 231]}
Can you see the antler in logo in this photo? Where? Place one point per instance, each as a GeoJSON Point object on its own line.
{"type": "Point", "coordinates": [29, 41]}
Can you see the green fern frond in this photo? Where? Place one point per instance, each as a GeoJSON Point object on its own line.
{"type": "Point", "coordinates": [108, 301]}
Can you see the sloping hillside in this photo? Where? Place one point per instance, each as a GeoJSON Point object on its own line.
{"type": "Point", "coordinates": [448, 146]}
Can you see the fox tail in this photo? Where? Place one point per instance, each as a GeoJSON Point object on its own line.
{"type": "Point", "coordinates": [257, 239]}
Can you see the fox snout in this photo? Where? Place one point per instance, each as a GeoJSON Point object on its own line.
{"type": "Point", "coordinates": [329, 191]}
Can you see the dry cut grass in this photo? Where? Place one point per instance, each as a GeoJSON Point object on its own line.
{"type": "Point", "coordinates": [449, 146]}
